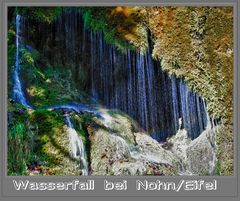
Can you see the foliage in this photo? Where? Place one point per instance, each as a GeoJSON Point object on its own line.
{"type": "Point", "coordinates": [29, 56]}
{"type": "Point", "coordinates": [20, 140]}
{"type": "Point", "coordinates": [46, 85]}
{"type": "Point", "coordinates": [11, 57]}
{"type": "Point", "coordinates": [121, 26]}
{"type": "Point", "coordinates": [78, 126]}
{"type": "Point", "coordinates": [40, 14]}
{"type": "Point", "coordinates": [96, 19]}
{"type": "Point", "coordinates": [28, 132]}
{"type": "Point", "coordinates": [46, 120]}
{"type": "Point", "coordinates": [53, 142]}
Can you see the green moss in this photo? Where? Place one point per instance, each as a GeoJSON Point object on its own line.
{"type": "Point", "coordinates": [218, 168]}
{"type": "Point", "coordinates": [78, 126]}
{"type": "Point", "coordinates": [53, 142]}
{"type": "Point", "coordinates": [20, 139]}
{"type": "Point", "coordinates": [46, 120]}
{"type": "Point", "coordinates": [44, 138]}
{"type": "Point", "coordinates": [86, 117]}
{"type": "Point", "coordinates": [96, 18]}
{"type": "Point", "coordinates": [225, 152]}
{"type": "Point", "coordinates": [46, 85]}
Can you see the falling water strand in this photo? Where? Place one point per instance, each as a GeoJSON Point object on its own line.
{"type": "Point", "coordinates": [208, 120]}
{"type": "Point", "coordinates": [76, 146]}
{"type": "Point", "coordinates": [18, 93]}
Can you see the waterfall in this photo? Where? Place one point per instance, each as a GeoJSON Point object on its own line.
{"type": "Point", "coordinates": [76, 146]}
{"type": "Point", "coordinates": [18, 93]}
{"type": "Point", "coordinates": [135, 84]}
{"type": "Point", "coordinates": [131, 82]}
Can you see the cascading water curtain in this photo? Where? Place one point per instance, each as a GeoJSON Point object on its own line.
{"type": "Point", "coordinates": [131, 82]}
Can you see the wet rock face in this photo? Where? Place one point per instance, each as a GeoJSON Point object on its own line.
{"type": "Point", "coordinates": [180, 143]}
{"type": "Point", "coordinates": [197, 156]}
{"type": "Point", "coordinates": [201, 153]}
{"type": "Point", "coordinates": [118, 150]}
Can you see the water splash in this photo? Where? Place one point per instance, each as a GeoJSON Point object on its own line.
{"type": "Point", "coordinates": [77, 148]}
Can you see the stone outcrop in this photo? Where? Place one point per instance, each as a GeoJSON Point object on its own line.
{"type": "Point", "coordinates": [197, 156]}
{"type": "Point", "coordinates": [120, 150]}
